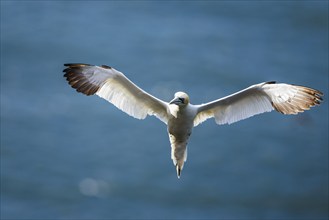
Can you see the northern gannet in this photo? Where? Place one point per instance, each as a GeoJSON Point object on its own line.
{"type": "Point", "coordinates": [179, 114]}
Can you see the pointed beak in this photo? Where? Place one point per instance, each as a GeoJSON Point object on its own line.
{"type": "Point", "coordinates": [176, 101]}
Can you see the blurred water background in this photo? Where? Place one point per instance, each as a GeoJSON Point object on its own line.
{"type": "Point", "coordinates": [68, 156]}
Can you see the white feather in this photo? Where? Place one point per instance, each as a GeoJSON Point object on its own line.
{"type": "Point", "coordinates": [180, 115]}
{"type": "Point", "coordinates": [257, 99]}
{"type": "Point", "coordinates": [124, 94]}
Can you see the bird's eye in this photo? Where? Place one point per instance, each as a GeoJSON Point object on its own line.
{"type": "Point", "coordinates": [181, 99]}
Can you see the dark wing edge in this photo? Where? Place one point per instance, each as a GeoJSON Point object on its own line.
{"type": "Point", "coordinates": [77, 80]}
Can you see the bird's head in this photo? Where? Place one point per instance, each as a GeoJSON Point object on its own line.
{"type": "Point", "coordinates": [180, 99]}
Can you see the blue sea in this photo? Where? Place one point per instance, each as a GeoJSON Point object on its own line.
{"type": "Point", "coordinates": [68, 156]}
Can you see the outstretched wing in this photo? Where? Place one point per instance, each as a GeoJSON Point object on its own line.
{"type": "Point", "coordinates": [115, 87]}
{"type": "Point", "coordinates": [257, 99]}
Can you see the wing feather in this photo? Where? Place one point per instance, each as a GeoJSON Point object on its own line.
{"type": "Point", "coordinates": [257, 99]}
{"type": "Point", "coordinates": [115, 87]}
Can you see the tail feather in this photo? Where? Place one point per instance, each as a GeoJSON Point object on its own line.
{"type": "Point", "coordinates": [178, 169]}
{"type": "Point", "coordinates": [179, 156]}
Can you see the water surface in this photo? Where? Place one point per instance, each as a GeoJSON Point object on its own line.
{"type": "Point", "coordinates": [68, 156]}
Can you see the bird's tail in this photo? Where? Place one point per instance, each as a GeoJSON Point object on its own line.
{"type": "Point", "coordinates": [179, 156]}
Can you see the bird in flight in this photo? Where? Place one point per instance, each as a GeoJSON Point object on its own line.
{"type": "Point", "coordinates": [179, 114]}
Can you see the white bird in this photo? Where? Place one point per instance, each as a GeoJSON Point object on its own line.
{"type": "Point", "coordinates": [179, 114]}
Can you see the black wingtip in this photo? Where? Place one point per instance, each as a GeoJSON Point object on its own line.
{"type": "Point", "coordinates": [75, 77]}
{"type": "Point", "coordinates": [106, 67]}
{"type": "Point", "coordinates": [76, 64]}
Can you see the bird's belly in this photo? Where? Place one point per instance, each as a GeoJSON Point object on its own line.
{"type": "Point", "coordinates": [180, 130]}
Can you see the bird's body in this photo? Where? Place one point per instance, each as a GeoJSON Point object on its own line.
{"type": "Point", "coordinates": [180, 125]}
{"type": "Point", "coordinates": [180, 115]}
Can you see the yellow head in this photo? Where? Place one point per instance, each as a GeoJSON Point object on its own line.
{"type": "Point", "coordinates": [180, 99]}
